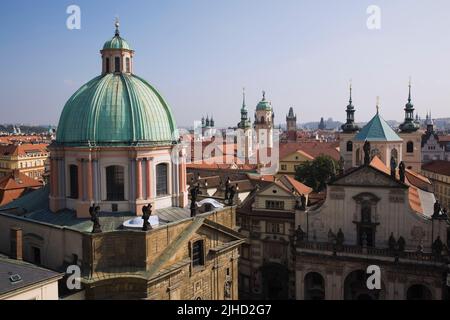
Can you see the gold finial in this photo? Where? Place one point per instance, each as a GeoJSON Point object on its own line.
{"type": "Point", "coordinates": [378, 104]}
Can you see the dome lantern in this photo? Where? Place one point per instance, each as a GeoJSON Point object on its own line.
{"type": "Point", "coordinates": [117, 55]}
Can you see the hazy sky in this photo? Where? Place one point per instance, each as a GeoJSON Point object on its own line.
{"type": "Point", "coordinates": [200, 54]}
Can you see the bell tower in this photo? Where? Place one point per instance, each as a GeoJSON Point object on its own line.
{"type": "Point", "coordinates": [412, 137]}
{"type": "Point", "coordinates": [349, 129]}
{"type": "Point", "coordinates": [264, 117]}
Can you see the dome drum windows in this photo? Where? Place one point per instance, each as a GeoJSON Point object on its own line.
{"type": "Point", "coordinates": [115, 183]}
{"type": "Point", "coordinates": [162, 188]}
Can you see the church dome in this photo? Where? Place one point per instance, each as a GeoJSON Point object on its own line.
{"type": "Point", "coordinates": [116, 109]}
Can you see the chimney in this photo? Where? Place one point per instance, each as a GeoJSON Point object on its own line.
{"type": "Point", "coordinates": [15, 174]}
{"type": "Point", "coordinates": [16, 243]}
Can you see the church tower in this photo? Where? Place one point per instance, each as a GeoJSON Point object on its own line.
{"type": "Point", "coordinates": [245, 133]}
{"type": "Point", "coordinates": [264, 117]}
{"type": "Point", "coordinates": [412, 137]}
{"type": "Point", "coordinates": [291, 125]}
{"type": "Point", "coordinates": [349, 130]}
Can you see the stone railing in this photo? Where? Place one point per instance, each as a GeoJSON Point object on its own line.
{"type": "Point", "coordinates": [369, 251]}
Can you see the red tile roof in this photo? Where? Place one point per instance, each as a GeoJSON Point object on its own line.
{"type": "Point", "coordinates": [438, 166]}
{"type": "Point", "coordinates": [23, 149]}
{"type": "Point", "coordinates": [14, 185]}
{"type": "Point", "coordinates": [313, 149]}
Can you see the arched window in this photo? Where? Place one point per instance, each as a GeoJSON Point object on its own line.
{"type": "Point", "coordinates": [198, 258]}
{"type": "Point", "coordinates": [161, 180]}
{"type": "Point", "coordinates": [314, 286]}
{"type": "Point", "coordinates": [418, 292]}
{"type": "Point", "coordinates": [409, 147]}
{"type": "Point", "coordinates": [263, 120]}
{"type": "Point", "coordinates": [358, 157]}
{"type": "Point", "coordinates": [73, 181]}
{"type": "Point", "coordinates": [117, 64]}
{"type": "Point", "coordinates": [107, 65]}
{"type": "Point", "coordinates": [349, 146]}
{"type": "Point", "coordinates": [394, 153]}
{"type": "Point", "coordinates": [115, 183]}
{"type": "Point", "coordinates": [128, 64]}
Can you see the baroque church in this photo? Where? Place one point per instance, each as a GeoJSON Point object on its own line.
{"type": "Point", "coordinates": [117, 205]}
{"type": "Point", "coordinates": [378, 211]}
{"type": "Point", "coordinates": [402, 146]}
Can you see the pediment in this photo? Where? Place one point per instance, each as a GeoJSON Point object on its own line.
{"type": "Point", "coordinates": [367, 176]}
{"type": "Point", "coordinates": [274, 190]}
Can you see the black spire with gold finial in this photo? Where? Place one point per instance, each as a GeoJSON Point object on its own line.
{"type": "Point", "coordinates": [350, 126]}
{"type": "Point", "coordinates": [409, 125]}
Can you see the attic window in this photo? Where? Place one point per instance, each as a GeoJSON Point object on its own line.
{"type": "Point", "coordinates": [274, 191]}
{"type": "Point", "coordinates": [15, 278]}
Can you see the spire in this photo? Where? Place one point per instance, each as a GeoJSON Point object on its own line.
{"type": "Point", "coordinates": [409, 95]}
{"type": "Point", "coordinates": [350, 100]}
{"type": "Point", "coordinates": [117, 25]}
{"type": "Point", "coordinates": [350, 126]}
{"type": "Point", "coordinates": [243, 98]}
{"type": "Point", "coordinates": [264, 95]}
{"type": "Point", "coordinates": [409, 125]}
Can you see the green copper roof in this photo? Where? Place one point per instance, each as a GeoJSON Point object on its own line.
{"type": "Point", "coordinates": [116, 43]}
{"type": "Point", "coordinates": [377, 130]}
{"type": "Point", "coordinates": [264, 104]}
{"type": "Point", "coordinates": [116, 109]}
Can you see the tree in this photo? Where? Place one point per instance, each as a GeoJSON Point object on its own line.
{"type": "Point", "coordinates": [317, 173]}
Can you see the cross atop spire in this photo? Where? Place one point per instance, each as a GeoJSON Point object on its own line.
{"type": "Point", "coordinates": [117, 25]}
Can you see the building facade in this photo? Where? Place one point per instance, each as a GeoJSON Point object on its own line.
{"type": "Point", "coordinates": [29, 159]}
{"type": "Point", "coordinates": [438, 172]}
{"type": "Point", "coordinates": [266, 219]}
{"type": "Point", "coordinates": [371, 218]}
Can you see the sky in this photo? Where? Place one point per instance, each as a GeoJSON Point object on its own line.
{"type": "Point", "coordinates": [199, 54]}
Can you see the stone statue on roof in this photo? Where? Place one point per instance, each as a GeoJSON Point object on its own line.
{"type": "Point", "coordinates": [93, 211]}
{"type": "Point", "coordinates": [146, 213]}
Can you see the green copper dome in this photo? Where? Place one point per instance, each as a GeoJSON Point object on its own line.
{"type": "Point", "coordinates": [117, 43]}
{"type": "Point", "coordinates": [116, 109]}
{"type": "Point", "coordinates": [264, 104]}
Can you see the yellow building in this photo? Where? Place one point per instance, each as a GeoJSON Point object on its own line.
{"type": "Point", "coordinates": [439, 173]}
{"type": "Point", "coordinates": [29, 159]}
{"type": "Point", "coordinates": [290, 162]}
